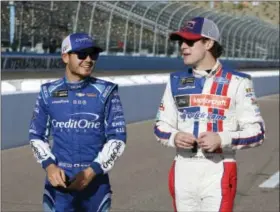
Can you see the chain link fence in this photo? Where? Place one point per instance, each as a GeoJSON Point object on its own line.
{"type": "Point", "coordinates": [129, 27]}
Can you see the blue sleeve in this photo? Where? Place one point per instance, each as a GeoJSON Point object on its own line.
{"type": "Point", "coordinates": [115, 132]}
{"type": "Point", "coordinates": [115, 126]}
{"type": "Point", "coordinates": [39, 130]}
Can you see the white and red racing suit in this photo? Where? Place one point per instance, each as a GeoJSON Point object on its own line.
{"type": "Point", "coordinates": [220, 100]}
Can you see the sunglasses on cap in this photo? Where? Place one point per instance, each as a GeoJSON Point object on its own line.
{"type": "Point", "coordinates": [83, 55]}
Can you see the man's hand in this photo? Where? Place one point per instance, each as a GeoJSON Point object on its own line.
{"type": "Point", "coordinates": [209, 141]}
{"type": "Point", "coordinates": [82, 179]}
{"type": "Point", "coordinates": [184, 140]}
{"type": "Point", "coordinates": [56, 175]}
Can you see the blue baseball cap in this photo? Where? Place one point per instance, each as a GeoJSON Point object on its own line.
{"type": "Point", "coordinates": [196, 29]}
{"type": "Point", "coordinates": [78, 42]}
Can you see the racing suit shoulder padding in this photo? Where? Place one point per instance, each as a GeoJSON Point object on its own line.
{"type": "Point", "coordinates": [48, 88]}
{"type": "Point", "coordinates": [240, 74]}
{"type": "Point", "coordinates": [104, 87]}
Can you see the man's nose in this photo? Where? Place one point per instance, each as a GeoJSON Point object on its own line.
{"type": "Point", "coordinates": [88, 58]}
{"type": "Point", "coordinates": [184, 45]}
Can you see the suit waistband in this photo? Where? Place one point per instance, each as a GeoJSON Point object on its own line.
{"type": "Point", "coordinates": [73, 165]}
{"type": "Point", "coordinates": [227, 156]}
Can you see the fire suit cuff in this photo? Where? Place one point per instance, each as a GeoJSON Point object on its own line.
{"type": "Point", "coordinates": [47, 162]}
{"type": "Point", "coordinates": [226, 139]}
{"type": "Point", "coordinates": [171, 141]}
{"type": "Point", "coordinates": [97, 168]}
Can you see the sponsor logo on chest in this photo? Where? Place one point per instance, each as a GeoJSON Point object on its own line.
{"type": "Point", "coordinates": [203, 100]}
{"type": "Point", "coordinates": [81, 120]}
{"type": "Point", "coordinates": [60, 93]}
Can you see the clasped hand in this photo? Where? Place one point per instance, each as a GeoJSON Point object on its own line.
{"type": "Point", "coordinates": [57, 178]}
{"type": "Point", "coordinates": [207, 141]}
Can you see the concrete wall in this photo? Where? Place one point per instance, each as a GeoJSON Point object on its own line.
{"type": "Point", "coordinates": [139, 102]}
{"type": "Point", "coordinates": [45, 62]}
{"type": "Point", "coordinates": [266, 86]}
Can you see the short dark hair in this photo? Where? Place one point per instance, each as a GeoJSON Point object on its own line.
{"type": "Point", "coordinates": [216, 49]}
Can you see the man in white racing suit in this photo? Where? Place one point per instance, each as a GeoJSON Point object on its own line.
{"type": "Point", "coordinates": [207, 112]}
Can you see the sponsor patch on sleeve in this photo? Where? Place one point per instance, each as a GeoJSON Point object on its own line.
{"type": "Point", "coordinates": [106, 91]}
{"type": "Point", "coordinates": [250, 92]}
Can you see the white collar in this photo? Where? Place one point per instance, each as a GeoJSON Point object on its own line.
{"type": "Point", "coordinates": [202, 73]}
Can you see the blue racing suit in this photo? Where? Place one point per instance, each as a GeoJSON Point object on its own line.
{"type": "Point", "coordinates": [88, 128]}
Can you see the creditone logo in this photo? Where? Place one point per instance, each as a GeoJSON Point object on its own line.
{"type": "Point", "coordinates": [208, 100]}
{"type": "Point", "coordinates": [38, 150]}
{"type": "Point", "coordinates": [78, 121]}
{"type": "Point", "coordinates": [114, 150]}
{"type": "Point", "coordinates": [203, 100]}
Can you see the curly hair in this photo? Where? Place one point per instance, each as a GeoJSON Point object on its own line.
{"type": "Point", "coordinates": [216, 50]}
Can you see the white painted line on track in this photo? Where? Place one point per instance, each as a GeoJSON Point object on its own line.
{"type": "Point", "coordinates": [272, 182]}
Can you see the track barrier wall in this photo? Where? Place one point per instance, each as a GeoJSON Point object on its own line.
{"type": "Point", "coordinates": [46, 62]}
{"type": "Point", "coordinates": [140, 102]}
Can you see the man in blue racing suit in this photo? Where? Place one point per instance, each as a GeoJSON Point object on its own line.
{"type": "Point", "coordinates": [85, 117]}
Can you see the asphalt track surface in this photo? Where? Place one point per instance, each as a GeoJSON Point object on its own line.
{"type": "Point", "coordinates": [139, 178]}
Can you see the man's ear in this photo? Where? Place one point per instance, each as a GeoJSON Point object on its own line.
{"type": "Point", "coordinates": [209, 44]}
{"type": "Point", "coordinates": [65, 58]}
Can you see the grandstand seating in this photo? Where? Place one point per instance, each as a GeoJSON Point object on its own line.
{"type": "Point", "coordinates": [48, 22]}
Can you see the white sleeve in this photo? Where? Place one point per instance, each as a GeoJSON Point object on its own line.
{"type": "Point", "coordinates": [251, 126]}
{"type": "Point", "coordinates": [165, 127]}
{"type": "Point", "coordinates": [106, 158]}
